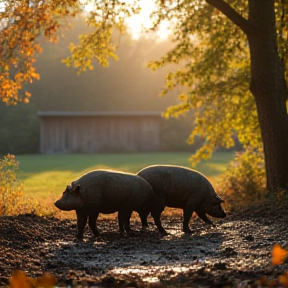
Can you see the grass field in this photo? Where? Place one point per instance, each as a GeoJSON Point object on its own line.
{"type": "Point", "coordinates": [46, 176]}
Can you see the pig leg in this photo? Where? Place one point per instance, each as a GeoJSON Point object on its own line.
{"type": "Point", "coordinates": [156, 215]}
{"type": "Point", "coordinates": [187, 213]}
{"type": "Point", "coordinates": [124, 216]}
{"type": "Point", "coordinates": [92, 224]}
{"type": "Point", "coordinates": [201, 214]}
{"type": "Point", "coordinates": [127, 216]}
{"type": "Point", "coordinates": [81, 222]}
{"type": "Point", "coordinates": [143, 216]}
{"type": "Point", "coordinates": [121, 222]}
{"type": "Point", "coordinates": [124, 220]}
{"type": "Point", "coordinates": [144, 221]}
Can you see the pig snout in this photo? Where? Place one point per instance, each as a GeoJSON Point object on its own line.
{"type": "Point", "coordinates": [58, 204]}
{"type": "Point", "coordinates": [215, 211]}
{"type": "Point", "coordinates": [68, 204]}
{"type": "Point", "coordinates": [63, 205]}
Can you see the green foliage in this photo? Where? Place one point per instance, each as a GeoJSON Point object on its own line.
{"type": "Point", "coordinates": [107, 18]}
{"type": "Point", "coordinates": [19, 129]}
{"type": "Point", "coordinates": [214, 76]}
{"type": "Point", "coordinates": [11, 190]}
{"type": "Point", "coordinates": [281, 10]}
{"type": "Point", "coordinates": [243, 184]}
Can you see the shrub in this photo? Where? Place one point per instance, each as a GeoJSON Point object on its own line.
{"type": "Point", "coordinates": [244, 182]}
{"type": "Point", "coordinates": [11, 190]}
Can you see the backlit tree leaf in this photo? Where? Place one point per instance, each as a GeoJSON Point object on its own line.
{"type": "Point", "coordinates": [21, 22]}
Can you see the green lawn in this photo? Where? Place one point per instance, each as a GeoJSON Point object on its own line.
{"type": "Point", "coordinates": [47, 175]}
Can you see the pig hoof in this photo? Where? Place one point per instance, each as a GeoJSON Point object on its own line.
{"type": "Point", "coordinates": [163, 232]}
{"type": "Point", "coordinates": [188, 231]}
{"type": "Point", "coordinates": [92, 238]}
{"type": "Point", "coordinates": [132, 233]}
{"type": "Point", "coordinates": [79, 238]}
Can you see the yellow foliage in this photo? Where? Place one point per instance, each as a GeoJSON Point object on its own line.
{"type": "Point", "coordinates": [11, 191]}
{"type": "Point", "coordinates": [244, 182]}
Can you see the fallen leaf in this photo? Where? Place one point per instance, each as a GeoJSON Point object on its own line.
{"type": "Point", "coordinates": [278, 255]}
{"type": "Point", "coordinates": [20, 280]}
{"type": "Point", "coordinates": [283, 279]}
{"type": "Point", "coordinates": [46, 281]}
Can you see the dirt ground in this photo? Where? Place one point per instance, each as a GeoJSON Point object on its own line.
{"type": "Point", "coordinates": [236, 253]}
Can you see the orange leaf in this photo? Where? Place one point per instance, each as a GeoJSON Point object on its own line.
{"type": "Point", "coordinates": [27, 94]}
{"type": "Point", "coordinates": [278, 255]}
{"type": "Point", "coordinates": [283, 279]}
{"type": "Point", "coordinates": [46, 281]}
{"type": "Point", "coordinates": [19, 280]}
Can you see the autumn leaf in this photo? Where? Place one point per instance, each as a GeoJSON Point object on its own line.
{"type": "Point", "coordinates": [278, 255]}
{"type": "Point", "coordinates": [46, 281]}
{"type": "Point", "coordinates": [20, 280]}
{"type": "Point", "coordinates": [263, 282]}
{"type": "Point", "coordinates": [27, 94]}
{"type": "Point", "coordinates": [283, 279]}
{"type": "Point", "coordinates": [21, 26]}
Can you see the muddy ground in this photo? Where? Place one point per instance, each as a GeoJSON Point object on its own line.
{"type": "Point", "coordinates": [236, 253]}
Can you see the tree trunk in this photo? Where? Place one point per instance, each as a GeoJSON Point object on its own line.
{"type": "Point", "coordinates": [269, 89]}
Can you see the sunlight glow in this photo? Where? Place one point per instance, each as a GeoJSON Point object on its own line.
{"type": "Point", "coordinates": [138, 23]}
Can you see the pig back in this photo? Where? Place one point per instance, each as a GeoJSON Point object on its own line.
{"type": "Point", "coordinates": [111, 190]}
{"type": "Point", "coordinates": [176, 186]}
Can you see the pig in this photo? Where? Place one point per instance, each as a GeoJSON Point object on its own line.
{"type": "Point", "coordinates": [105, 191]}
{"type": "Point", "coordinates": [181, 187]}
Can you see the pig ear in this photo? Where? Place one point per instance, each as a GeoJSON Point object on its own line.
{"type": "Point", "coordinates": [220, 199]}
{"type": "Point", "coordinates": [76, 191]}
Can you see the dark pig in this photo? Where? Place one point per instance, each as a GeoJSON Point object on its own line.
{"type": "Point", "coordinates": [104, 191]}
{"type": "Point", "coordinates": [184, 188]}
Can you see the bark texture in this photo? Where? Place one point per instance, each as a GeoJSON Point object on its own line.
{"type": "Point", "coordinates": [269, 89]}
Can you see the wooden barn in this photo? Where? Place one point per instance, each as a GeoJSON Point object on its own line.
{"type": "Point", "coordinates": [102, 131]}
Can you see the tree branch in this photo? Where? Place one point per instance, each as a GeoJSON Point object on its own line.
{"type": "Point", "coordinates": [231, 14]}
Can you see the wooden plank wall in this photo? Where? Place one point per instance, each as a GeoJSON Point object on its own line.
{"type": "Point", "coordinates": [86, 134]}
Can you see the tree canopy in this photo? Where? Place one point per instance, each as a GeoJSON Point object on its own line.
{"type": "Point", "coordinates": [21, 22]}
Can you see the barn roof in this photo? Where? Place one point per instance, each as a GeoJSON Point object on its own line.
{"type": "Point", "coordinates": [97, 113]}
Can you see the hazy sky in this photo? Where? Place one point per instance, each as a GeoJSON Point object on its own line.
{"type": "Point", "coordinates": [137, 22]}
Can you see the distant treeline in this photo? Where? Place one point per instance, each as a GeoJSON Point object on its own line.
{"type": "Point", "coordinates": [127, 85]}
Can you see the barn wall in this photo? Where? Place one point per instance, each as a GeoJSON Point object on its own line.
{"type": "Point", "coordinates": [99, 134]}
